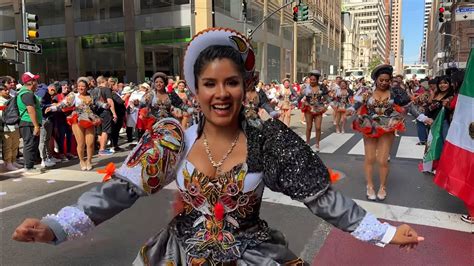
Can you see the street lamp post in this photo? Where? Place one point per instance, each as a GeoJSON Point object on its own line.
{"type": "Point", "coordinates": [458, 44]}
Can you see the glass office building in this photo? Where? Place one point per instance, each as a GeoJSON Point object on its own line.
{"type": "Point", "coordinates": [132, 39]}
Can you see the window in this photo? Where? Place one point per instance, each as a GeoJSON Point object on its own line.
{"type": "Point", "coordinates": [89, 10]}
{"type": "Point", "coordinates": [49, 12]}
{"type": "Point", "coordinates": [471, 42]}
{"type": "Point", "coordinates": [224, 5]}
{"type": "Point", "coordinates": [157, 6]}
{"type": "Point", "coordinates": [7, 18]}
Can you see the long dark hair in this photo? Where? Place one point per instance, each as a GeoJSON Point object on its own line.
{"type": "Point", "coordinates": [450, 90]}
{"type": "Point", "coordinates": [457, 79]}
{"type": "Point", "coordinates": [207, 56]}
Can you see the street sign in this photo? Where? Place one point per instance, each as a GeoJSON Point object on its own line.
{"type": "Point", "coordinates": [464, 13]}
{"type": "Point", "coordinates": [30, 47]}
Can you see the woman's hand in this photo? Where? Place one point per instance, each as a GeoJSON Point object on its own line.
{"type": "Point", "coordinates": [446, 102]}
{"type": "Point", "coordinates": [406, 237]}
{"type": "Point", "coordinates": [33, 230]}
{"type": "Point", "coordinates": [429, 121]}
{"type": "Point", "coordinates": [350, 111]}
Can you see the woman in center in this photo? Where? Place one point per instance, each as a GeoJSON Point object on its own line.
{"type": "Point", "coordinates": [221, 167]}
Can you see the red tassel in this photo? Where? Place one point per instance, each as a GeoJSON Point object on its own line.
{"type": "Point", "coordinates": [219, 211]}
{"type": "Point", "coordinates": [108, 171]}
{"type": "Point", "coordinates": [333, 176]}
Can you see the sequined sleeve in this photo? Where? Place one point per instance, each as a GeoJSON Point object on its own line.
{"type": "Point", "coordinates": [373, 231]}
{"type": "Point", "coordinates": [306, 178]}
{"type": "Point", "coordinates": [95, 206]}
{"type": "Point", "coordinates": [290, 166]}
{"type": "Point", "coordinates": [400, 96]}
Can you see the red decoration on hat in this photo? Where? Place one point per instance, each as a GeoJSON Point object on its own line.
{"type": "Point", "coordinates": [250, 62]}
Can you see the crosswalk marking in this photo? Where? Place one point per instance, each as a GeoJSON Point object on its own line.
{"type": "Point", "coordinates": [385, 211]}
{"type": "Point", "coordinates": [333, 142]}
{"type": "Point", "coordinates": [408, 148]}
{"type": "Point", "coordinates": [303, 135]}
{"type": "Point", "coordinates": [390, 212]}
{"type": "Point", "coordinates": [358, 149]}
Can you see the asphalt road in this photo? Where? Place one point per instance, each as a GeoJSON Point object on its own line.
{"type": "Point", "coordinates": [412, 198]}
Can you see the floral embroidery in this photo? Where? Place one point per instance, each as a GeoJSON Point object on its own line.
{"type": "Point", "coordinates": [157, 152]}
{"type": "Point", "coordinates": [220, 202]}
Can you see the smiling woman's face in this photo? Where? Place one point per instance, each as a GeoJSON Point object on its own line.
{"type": "Point", "coordinates": [159, 84]}
{"type": "Point", "coordinates": [220, 92]}
{"type": "Point", "coordinates": [443, 85]}
{"type": "Point", "coordinates": [383, 81]}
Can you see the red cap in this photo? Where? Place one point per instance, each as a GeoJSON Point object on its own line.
{"type": "Point", "coordinates": [28, 76]}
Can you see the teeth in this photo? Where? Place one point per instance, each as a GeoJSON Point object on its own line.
{"type": "Point", "coordinates": [222, 106]}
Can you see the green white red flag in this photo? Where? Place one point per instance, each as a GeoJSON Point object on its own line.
{"type": "Point", "coordinates": [455, 171]}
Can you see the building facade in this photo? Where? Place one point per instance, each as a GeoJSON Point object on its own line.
{"type": "Point", "coordinates": [448, 43]}
{"type": "Point", "coordinates": [428, 4]}
{"type": "Point", "coordinates": [132, 39]}
{"type": "Point", "coordinates": [350, 42]}
{"type": "Point", "coordinates": [388, 32]}
{"type": "Point", "coordinates": [395, 40]}
{"type": "Point", "coordinates": [373, 28]}
{"type": "Point", "coordinates": [328, 44]}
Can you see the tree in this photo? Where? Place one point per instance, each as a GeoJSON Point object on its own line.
{"type": "Point", "coordinates": [374, 62]}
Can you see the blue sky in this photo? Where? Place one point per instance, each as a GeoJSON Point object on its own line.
{"type": "Point", "coordinates": [412, 29]}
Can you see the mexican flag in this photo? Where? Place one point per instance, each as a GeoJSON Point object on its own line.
{"type": "Point", "coordinates": [455, 171]}
{"type": "Point", "coordinates": [434, 143]}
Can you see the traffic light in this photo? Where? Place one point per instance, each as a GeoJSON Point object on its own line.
{"type": "Point", "coordinates": [32, 26]}
{"type": "Point", "coordinates": [441, 14]}
{"type": "Point", "coordinates": [295, 14]}
{"type": "Point", "coordinates": [244, 8]}
{"type": "Point", "coordinates": [304, 12]}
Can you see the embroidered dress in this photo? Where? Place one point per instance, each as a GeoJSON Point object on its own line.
{"type": "Point", "coordinates": [82, 114]}
{"type": "Point", "coordinates": [287, 96]}
{"type": "Point", "coordinates": [316, 102]}
{"type": "Point", "coordinates": [375, 117]}
{"type": "Point", "coordinates": [163, 108]}
{"type": "Point", "coordinates": [342, 101]}
{"type": "Point", "coordinates": [220, 220]}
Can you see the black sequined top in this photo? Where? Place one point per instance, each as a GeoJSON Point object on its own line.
{"type": "Point", "coordinates": [271, 154]}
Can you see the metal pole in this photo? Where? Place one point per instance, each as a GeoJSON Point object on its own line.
{"type": "Point", "coordinates": [295, 49]}
{"type": "Point", "coordinates": [458, 44]}
{"type": "Point", "coordinates": [244, 15]}
{"type": "Point", "coordinates": [213, 14]}
{"type": "Point", "coordinates": [25, 54]}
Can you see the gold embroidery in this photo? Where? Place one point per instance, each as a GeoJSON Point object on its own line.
{"type": "Point", "coordinates": [220, 200]}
